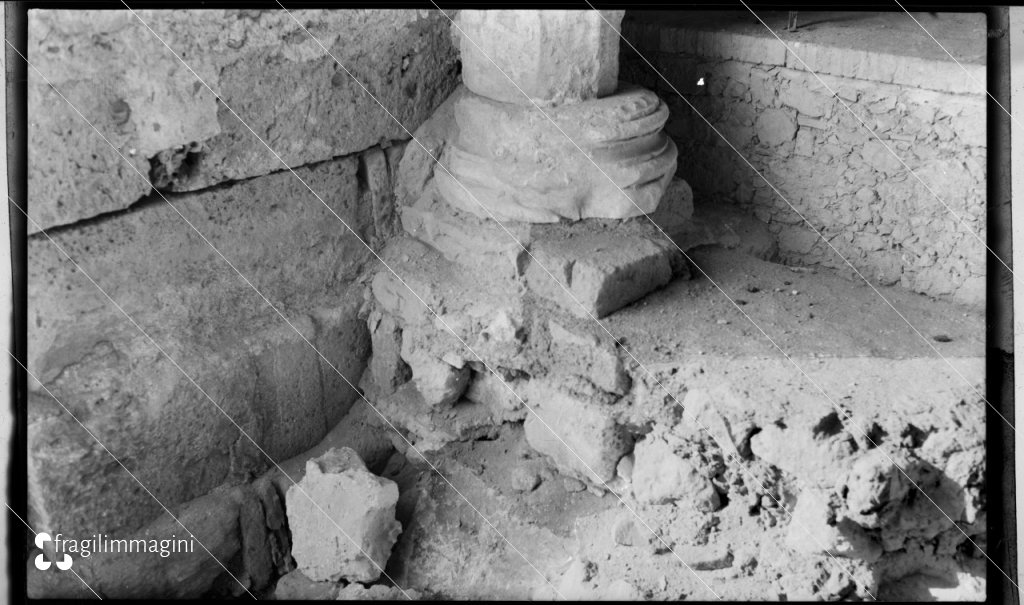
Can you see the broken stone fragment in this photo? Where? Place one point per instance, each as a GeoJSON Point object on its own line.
{"type": "Point", "coordinates": [377, 592]}
{"type": "Point", "coordinates": [295, 586]}
{"type": "Point", "coordinates": [523, 479]}
{"type": "Point", "coordinates": [814, 528]}
{"type": "Point", "coordinates": [675, 211]}
{"type": "Point", "coordinates": [439, 382]}
{"type": "Point", "coordinates": [580, 351]}
{"type": "Point", "coordinates": [815, 451]}
{"type": "Point", "coordinates": [550, 56]}
{"type": "Point", "coordinates": [624, 532]}
{"type": "Point", "coordinates": [601, 272]}
{"type": "Point", "coordinates": [478, 243]}
{"type": "Point", "coordinates": [386, 370]}
{"type": "Point", "coordinates": [342, 519]}
{"type": "Point", "coordinates": [488, 389]}
{"type": "Point", "coordinates": [660, 476]}
{"type": "Point", "coordinates": [872, 486]}
{"type": "Point", "coordinates": [579, 435]}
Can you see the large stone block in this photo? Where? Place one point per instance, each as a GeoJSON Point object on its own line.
{"type": "Point", "coordinates": [342, 519]}
{"type": "Point", "coordinates": [605, 158]}
{"type": "Point", "coordinates": [261, 64]}
{"type": "Point", "coordinates": [478, 243]}
{"type": "Point", "coordinates": [213, 533]}
{"type": "Point", "coordinates": [260, 372]}
{"type": "Point", "coordinates": [576, 431]}
{"type": "Point", "coordinates": [550, 56]}
{"type": "Point", "coordinates": [587, 352]}
{"type": "Point", "coordinates": [600, 272]}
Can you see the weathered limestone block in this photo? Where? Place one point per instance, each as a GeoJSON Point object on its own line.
{"type": "Point", "coordinates": [512, 163]}
{"type": "Point", "coordinates": [439, 383]}
{"type": "Point", "coordinates": [484, 310]}
{"type": "Point", "coordinates": [338, 491]}
{"type": "Point", "coordinates": [172, 128]}
{"type": "Point", "coordinates": [551, 56]}
{"type": "Point", "coordinates": [576, 431]}
{"type": "Point", "coordinates": [583, 352]}
{"type": "Point", "coordinates": [662, 473]}
{"type": "Point", "coordinates": [214, 521]}
{"type": "Point", "coordinates": [478, 243]}
{"type": "Point", "coordinates": [602, 272]}
{"type": "Point", "coordinates": [224, 336]}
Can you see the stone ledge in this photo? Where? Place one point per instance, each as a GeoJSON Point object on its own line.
{"type": "Point", "coordinates": [944, 76]}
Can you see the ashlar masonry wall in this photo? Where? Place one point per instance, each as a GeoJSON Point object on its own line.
{"type": "Point", "coordinates": [823, 162]}
{"type": "Point", "coordinates": [207, 357]}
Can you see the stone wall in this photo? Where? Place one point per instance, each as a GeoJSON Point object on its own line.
{"type": "Point", "coordinates": [261, 64]}
{"type": "Point", "coordinates": [819, 156]}
{"type": "Point", "coordinates": [216, 175]}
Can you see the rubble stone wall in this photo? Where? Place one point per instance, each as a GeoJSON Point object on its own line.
{"type": "Point", "coordinates": [223, 345]}
{"type": "Point", "coordinates": [820, 158]}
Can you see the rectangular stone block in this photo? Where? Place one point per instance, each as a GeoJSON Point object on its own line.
{"type": "Point", "coordinates": [224, 336]}
{"type": "Point", "coordinates": [582, 351]}
{"type": "Point", "coordinates": [481, 244]}
{"type": "Point", "coordinates": [579, 435]}
{"type": "Point", "coordinates": [164, 121]}
{"type": "Point", "coordinates": [597, 274]}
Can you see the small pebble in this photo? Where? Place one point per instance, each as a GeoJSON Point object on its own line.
{"type": "Point", "coordinates": [573, 485]}
{"type": "Point", "coordinates": [722, 322]}
{"type": "Point", "coordinates": [523, 480]}
{"type": "Point", "coordinates": [942, 338]}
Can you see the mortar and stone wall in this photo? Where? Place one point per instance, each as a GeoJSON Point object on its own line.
{"type": "Point", "coordinates": [843, 180]}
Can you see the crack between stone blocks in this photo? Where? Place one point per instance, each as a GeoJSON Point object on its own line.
{"type": "Point", "coordinates": [153, 197]}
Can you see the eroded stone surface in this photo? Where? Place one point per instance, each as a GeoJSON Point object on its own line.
{"type": "Point", "coordinates": [342, 519]}
{"type": "Point", "coordinates": [600, 272]}
{"type": "Point", "coordinates": [574, 430]}
{"type": "Point", "coordinates": [603, 158]}
{"type": "Point", "coordinates": [257, 369]}
{"type": "Point", "coordinates": [173, 129]}
{"type": "Point", "coordinates": [550, 56]}
{"type": "Point", "coordinates": [664, 471]}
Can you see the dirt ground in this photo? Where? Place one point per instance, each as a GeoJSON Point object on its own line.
{"type": "Point", "coordinates": [547, 535]}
